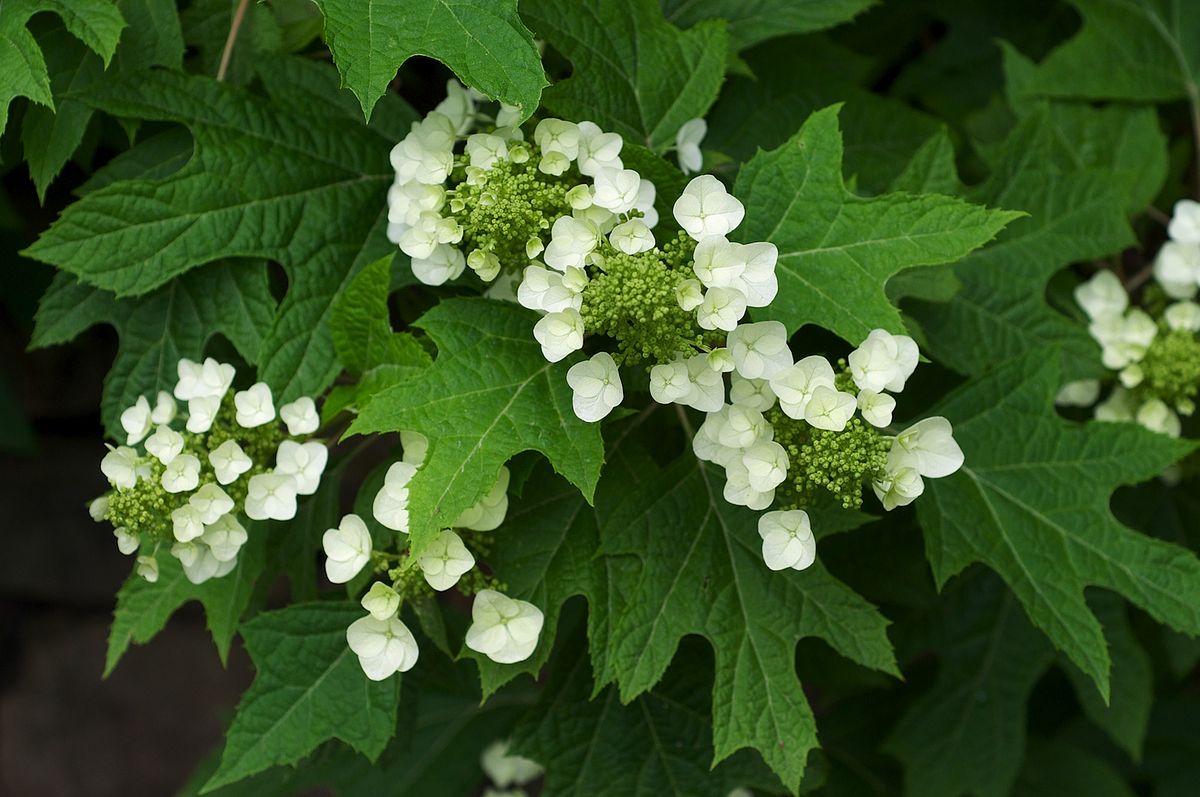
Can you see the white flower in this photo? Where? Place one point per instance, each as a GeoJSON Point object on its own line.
{"type": "Point", "coordinates": [555, 163]}
{"type": "Point", "coordinates": [559, 333]}
{"type": "Point", "coordinates": [443, 264]}
{"type": "Point", "coordinates": [503, 629]}
{"type": "Point", "coordinates": [347, 549]}
{"type": "Point", "coordinates": [717, 263]}
{"type": "Point", "coordinates": [426, 154]}
{"type": "Point", "coordinates": [760, 350]}
{"type": "Point", "coordinates": [182, 475]}
{"type": "Point", "coordinates": [1185, 222]}
{"type": "Point", "coordinates": [1102, 296]}
{"type": "Point", "coordinates": [876, 408]}
{"type": "Point", "coordinates": [1177, 269]}
{"type": "Point", "coordinates": [186, 523]}
{"type": "Point", "coordinates": [1081, 393]}
{"type": "Point", "coordinates": [742, 427]}
{"type": "Point", "coordinates": [300, 416]}
{"type": "Point", "coordinates": [579, 197]}
{"type": "Point", "coordinates": [415, 445]}
{"type": "Point", "coordinates": [721, 309]}
{"type": "Point", "coordinates": [254, 405]}
{"type": "Point", "coordinates": [165, 444]}
{"type": "Point", "coordinates": [445, 560]}
{"type": "Point", "coordinates": [689, 294]}
{"type": "Point", "coordinates": [598, 150]}
{"type": "Point", "coordinates": [383, 647]}
{"type": "Point", "coordinates": [929, 447]}
{"type": "Point", "coordinates": [271, 496]}
{"type": "Point", "coordinates": [758, 280]}
{"type": "Point", "coordinates": [602, 220]}
{"type": "Point", "coordinates": [571, 241]}
{"type": "Point", "coordinates": [127, 542]}
{"type": "Point", "coordinates": [1123, 339]}
{"type": "Point", "coordinates": [506, 770]}
{"type": "Point", "coordinates": [485, 150]}
{"type": "Point", "coordinates": [164, 408]}
{"type": "Point", "coordinates": [556, 135]}
{"type": "Point", "coordinates": [1156, 416]}
{"type": "Point", "coordinates": [883, 361]}
{"type": "Point", "coordinates": [720, 360]}
{"type": "Point", "coordinates": [669, 382]}
{"type": "Point", "coordinates": [407, 201]}
{"type": "Point", "coordinates": [756, 394]}
{"type": "Point", "coordinates": [208, 380]}
{"type": "Point", "coordinates": [202, 411]}
{"type": "Point", "coordinates": [136, 421]}
{"type": "Point", "coordinates": [795, 385]}
{"type": "Point", "coordinates": [147, 568]}
{"type": "Point", "coordinates": [632, 237]}
{"type": "Point", "coordinates": [687, 145]}
{"type": "Point", "coordinates": [739, 491]}
{"type": "Point", "coordinates": [304, 462]}
{"type": "Point", "coordinates": [210, 503]}
{"type": "Point", "coordinates": [829, 409]}
{"type": "Point", "coordinates": [381, 601]}
{"type": "Point", "coordinates": [229, 461]}
{"type": "Point", "coordinates": [766, 465]}
{"type": "Point", "coordinates": [706, 208]}
{"type": "Point", "coordinates": [645, 202]}
{"type": "Point", "coordinates": [98, 508]}
{"type": "Point", "coordinates": [787, 540]}
{"type": "Point", "coordinates": [224, 538]}
{"type": "Point", "coordinates": [546, 290]}
{"type": "Point", "coordinates": [1119, 406]}
{"type": "Point", "coordinates": [706, 444]}
{"type": "Point", "coordinates": [200, 563]}
{"type": "Point", "coordinates": [596, 387]}
{"type": "Point", "coordinates": [616, 190]}
{"type": "Point", "coordinates": [488, 513]}
{"type": "Point", "coordinates": [1131, 375]}
{"type": "Point", "coordinates": [899, 485]}
{"type": "Point", "coordinates": [458, 107]}
{"type": "Point", "coordinates": [391, 502]}
{"type": "Point", "coordinates": [1183, 316]}
{"type": "Point", "coordinates": [707, 392]}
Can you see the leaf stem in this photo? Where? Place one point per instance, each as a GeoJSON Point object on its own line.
{"type": "Point", "coordinates": [684, 421]}
{"type": "Point", "coordinates": [234, 27]}
{"type": "Point", "coordinates": [1158, 215]}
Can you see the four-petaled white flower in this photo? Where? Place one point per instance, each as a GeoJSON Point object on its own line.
{"type": "Point", "coordinates": [254, 405]}
{"type": "Point", "coordinates": [182, 475]}
{"type": "Point", "coordinates": [876, 408]}
{"type": "Point", "coordinates": [164, 408]}
{"type": "Point", "coordinates": [616, 190]}
{"type": "Point", "coordinates": [687, 145]}
{"type": "Point", "coordinates": [136, 421]}
{"type": "Point", "coordinates": [485, 150]}
{"type": "Point", "coordinates": [596, 387]}
{"type": "Point", "coordinates": [669, 382]}
{"type": "Point", "coordinates": [1183, 316]}
{"type": "Point", "coordinates": [547, 291]}
{"type": "Point", "coordinates": [571, 241]}
{"type": "Point", "coordinates": [598, 150]}
{"type": "Point", "coordinates": [1185, 222]}
{"type": "Point", "coordinates": [488, 512]}
{"type": "Point", "coordinates": [347, 549]}
{"type": "Point", "coordinates": [202, 411]}
{"type": "Point", "coordinates": [559, 333]}
{"type": "Point", "coordinates": [707, 392]}
{"type": "Point", "coordinates": [445, 561]}
{"type": "Point", "coordinates": [503, 629]}
{"type": "Point", "coordinates": [391, 502]}
{"type": "Point", "coordinates": [444, 263]}
{"type": "Point", "coordinates": [721, 309]}
{"type": "Point", "coordinates": [1176, 268]}
{"type": "Point", "coordinates": [506, 770]}
{"type": "Point", "coordinates": [760, 350]}
{"type": "Point", "coordinates": [186, 523]}
{"type": "Point", "coordinates": [147, 568]}
{"type": "Point", "coordinates": [740, 492]}
{"type": "Point", "coordinates": [381, 601]}
{"type": "Point", "coordinates": [300, 416]}
{"type": "Point", "coordinates": [271, 496]}
{"type": "Point", "coordinates": [741, 427]}
{"type": "Point", "coordinates": [928, 446]}
{"type": "Point", "coordinates": [883, 361]}
{"type": "Point", "coordinates": [1103, 296]}
{"type": "Point", "coordinates": [557, 135]}
{"type": "Point", "coordinates": [632, 237]}
{"type": "Point", "coordinates": [304, 462]}
{"type": "Point", "coordinates": [706, 208]}
{"type": "Point", "coordinates": [210, 502]}
{"type": "Point", "coordinates": [689, 294]}
{"type": "Point", "coordinates": [127, 542]}
{"type": "Point", "coordinates": [753, 393]}
{"type": "Point", "coordinates": [900, 483]}
{"type": "Point", "coordinates": [1156, 416]}
{"type": "Point", "coordinates": [383, 647]}
{"type": "Point", "coordinates": [165, 444]}
{"type": "Point", "coordinates": [229, 461]}
{"type": "Point", "coordinates": [787, 540]}
{"type": "Point", "coordinates": [224, 538]}
{"type": "Point", "coordinates": [766, 464]}
{"type": "Point", "coordinates": [829, 409]}
{"type": "Point", "coordinates": [209, 379]}
{"type": "Point", "coordinates": [794, 386]}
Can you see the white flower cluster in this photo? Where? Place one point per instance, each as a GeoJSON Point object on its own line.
{"type": "Point", "coordinates": [201, 468]}
{"type": "Point", "coordinates": [1156, 362]}
{"type": "Point", "coordinates": [506, 770]}
{"type": "Point", "coordinates": [739, 437]}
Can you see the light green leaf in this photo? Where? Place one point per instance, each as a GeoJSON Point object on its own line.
{"type": "Point", "coordinates": [702, 573]}
{"type": "Point", "coordinates": [96, 23]}
{"type": "Point", "coordinates": [1031, 503]}
{"type": "Point", "coordinates": [309, 687]}
{"type": "Point", "coordinates": [483, 42]}
{"type": "Point", "coordinates": [634, 73]}
{"type": "Point", "coordinates": [752, 21]}
{"type": "Point", "coordinates": [838, 250]}
{"type": "Point", "coordinates": [156, 330]}
{"type": "Point", "coordinates": [966, 734]}
{"type": "Point", "coordinates": [489, 395]}
{"type": "Point", "coordinates": [931, 169]}
{"type": "Point", "coordinates": [359, 324]}
{"type": "Point", "coordinates": [144, 608]}
{"type": "Point", "coordinates": [1141, 50]}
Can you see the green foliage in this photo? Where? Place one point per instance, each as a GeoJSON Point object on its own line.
{"type": "Point", "coordinates": [837, 250]}
{"type": "Point", "coordinates": [754, 21]}
{"type": "Point", "coordinates": [483, 42]}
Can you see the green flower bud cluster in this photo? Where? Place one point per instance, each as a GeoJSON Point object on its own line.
{"type": "Point", "coordinates": [632, 300]}
{"type": "Point", "coordinates": [827, 463]}
{"type": "Point", "coordinates": [1171, 369]}
{"type": "Point", "coordinates": [145, 509]}
{"type": "Point", "coordinates": [503, 208]}
{"type": "Point", "coordinates": [481, 544]}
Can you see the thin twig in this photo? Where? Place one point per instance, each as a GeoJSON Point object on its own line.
{"type": "Point", "coordinates": [1140, 278]}
{"type": "Point", "coordinates": [1158, 215]}
{"type": "Point", "coordinates": [234, 27]}
{"type": "Point", "coordinates": [684, 421]}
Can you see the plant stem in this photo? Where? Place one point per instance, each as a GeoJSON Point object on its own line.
{"type": "Point", "coordinates": [234, 27]}
{"type": "Point", "coordinates": [684, 421]}
{"type": "Point", "coordinates": [1158, 215]}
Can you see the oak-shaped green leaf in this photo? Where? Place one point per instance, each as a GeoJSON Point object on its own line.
{"type": "Point", "coordinates": [362, 333]}
{"type": "Point", "coordinates": [752, 21]}
{"type": "Point", "coordinates": [634, 73]}
{"type": "Point", "coordinates": [159, 328]}
{"type": "Point", "coordinates": [96, 23]}
{"type": "Point", "coordinates": [1031, 503]}
{"type": "Point", "coordinates": [483, 42]}
{"type": "Point", "coordinates": [144, 608]}
{"type": "Point", "coordinates": [1141, 50]}
{"type": "Point", "coordinates": [837, 250]}
{"type": "Point", "coordinates": [309, 688]}
{"type": "Point", "coordinates": [702, 573]}
{"type": "Point", "coordinates": [489, 395]}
